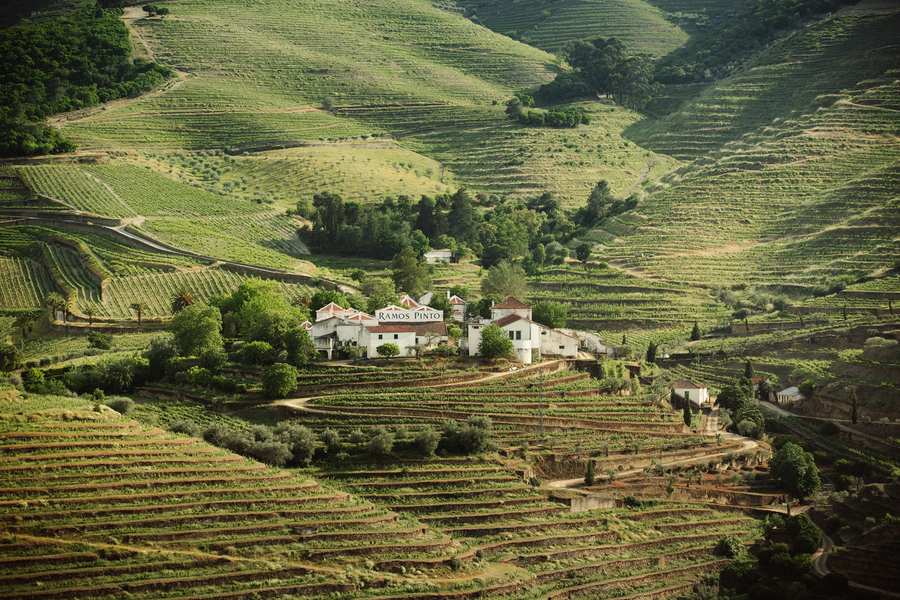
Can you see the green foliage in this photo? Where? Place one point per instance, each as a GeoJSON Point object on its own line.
{"type": "Point", "coordinates": [729, 547]}
{"type": "Point", "coordinates": [159, 355]}
{"type": "Point", "coordinates": [324, 297]}
{"type": "Point", "coordinates": [589, 475]}
{"type": "Point", "coordinates": [213, 359]}
{"type": "Point", "coordinates": [388, 350]}
{"type": "Point", "coordinates": [426, 441]}
{"type": "Point", "coordinates": [552, 314]}
{"type": "Point", "coordinates": [495, 343]}
{"type": "Point", "coordinates": [686, 413]}
{"type": "Point", "coordinates": [795, 469]}
{"type": "Point", "coordinates": [9, 357]}
{"type": "Point", "coordinates": [121, 405]}
{"type": "Point", "coordinates": [101, 341]}
{"type": "Point", "coordinates": [197, 328]}
{"type": "Point", "coordinates": [731, 396]}
{"type": "Point", "coordinates": [332, 440]}
{"type": "Point", "coordinates": [381, 443]}
{"type": "Point", "coordinates": [696, 334]}
{"type": "Point", "coordinates": [257, 353]}
{"type": "Point", "coordinates": [471, 437]}
{"type": "Point", "coordinates": [301, 441]}
{"type": "Point", "coordinates": [279, 380]}
{"type": "Point", "coordinates": [504, 280]}
{"type": "Point", "coordinates": [113, 376]}
{"type": "Point", "coordinates": [603, 66]}
{"type": "Point", "coordinates": [409, 273]}
{"type": "Point", "coordinates": [71, 60]}
{"type": "Point", "coordinates": [650, 355]}
{"type": "Point", "coordinates": [748, 410]}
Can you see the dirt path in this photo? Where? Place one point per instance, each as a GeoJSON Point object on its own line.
{"type": "Point", "coordinates": [300, 404]}
{"type": "Point", "coordinates": [748, 445]}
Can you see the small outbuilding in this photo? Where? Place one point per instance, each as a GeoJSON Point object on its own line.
{"type": "Point", "coordinates": [789, 396]}
{"type": "Point", "coordinates": [439, 256]}
{"type": "Point", "coordinates": [692, 392]}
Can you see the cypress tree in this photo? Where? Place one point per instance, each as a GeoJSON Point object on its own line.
{"type": "Point", "coordinates": [687, 413]}
{"type": "Point", "coordinates": [748, 369]}
{"type": "Point", "coordinates": [589, 474]}
{"type": "Point", "coordinates": [695, 332]}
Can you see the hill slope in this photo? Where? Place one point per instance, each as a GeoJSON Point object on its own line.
{"type": "Point", "coordinates": [551, 25]}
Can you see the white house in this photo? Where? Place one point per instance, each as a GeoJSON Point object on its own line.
{"type": "Point", "coordinates": [692, 392]}
{"type": "Point", "coordinates": [411, 339]}
{"type": "Point", "coordinates": [789, 396]}
{"type": "Point", "coordinates": [442, 255]}
{"type": "Point", "coordinates": [457, 309]}
{"type": "Point", "coordinates": [555, 342]}
{"type": "Point", "coordinates": [510, 306]}
{"type": "Point", "coordinates": [333, 310]}
{"type": "Point", "coordinates": [530, 340]}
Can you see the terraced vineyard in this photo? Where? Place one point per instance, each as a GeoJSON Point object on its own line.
{"type": "Point", "coordinates": [615, 304]}
{"type": "Point", "coordinates": [23, 283]}
{"type": "Point", "coordinates": [97, 505]}
{"type": "Point", "coordinates": [438, 98]}
{"type": "Point", "coordinates": [551, 25]}
{"type": "Point", "coordinates": [774, 208]}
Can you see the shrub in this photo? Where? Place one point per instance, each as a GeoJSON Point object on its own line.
{"type": "Point", "coordinates": [197, 328]}
{"type": "Point", "coordinates": [631, 502]}
{"type": "Point", "coordinates": [357, 436]}
{"type": "Point", "coordinates": [213, 359]}
{"type": "Point", "coordinates": [830, 429]}
{"type": "Point", "coordinates": [426, 441]}
{"type": "Point", "coordinates": [747, 428]}
{"type": "Point", "coordinates": [9, 357]}
{"type": "Point", "coordinates": [388, 350]}
{"type": "Point", "coordinates": [332, 441]}
{"type": "Point", "coordinates": [381, 443]}
{"type": "Point", "coordinates": [495, 343]}
{"type": "Point", "coordinates": [184, 426]}
{"type": "Point", "coordinates": [33, 379]}
{"type": "Point", "coordinates": [160, 355]}
{"type": "Point", "coordinates": [729, 547]}
{"type": "Point", "coordinates": [257, 353]}
{"type": "Point", "coordinates": [279, 380]}
{"type": "Point", "coordinates": [197, 376]}
{"type": "Point", "coordinates": [300, 440]}
{"type": "Point", "coordinates": [270, 452]}
{"type": "Point", "coordinates": [471, 437]}
{"type": "Point", "coordinates": [122, 406]}
{"type": "Point", "coordinates": [102, 341]}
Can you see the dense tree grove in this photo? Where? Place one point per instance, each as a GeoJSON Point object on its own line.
{"type": "Point", "coordinates": [532, 231]}
{"type": "Point", "coordinates": [64, 62]}
{"type": "Point", "coordinates": [604, 67]}
{"type": "Point", "coordinates": [795, 469]}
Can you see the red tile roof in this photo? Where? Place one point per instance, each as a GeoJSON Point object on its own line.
{"type": "Point", "coordinates": [511, 302]}
{"type": "Point", "coordinates": [508, 319]}
{"type": "Point", "coordinates": [391, 329]}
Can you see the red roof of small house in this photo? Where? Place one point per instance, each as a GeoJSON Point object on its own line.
{"type": "Point", "coordinates": [687, 384]}
{"type": "Point", "coordinates": [511, 302]}
{"type": "Point", "coordinates": [508, 319]}
{"type": "Point", "coordinates": [408, 301]}
{"type": "Point", "coordinates": [456, 300]}
{"type": "Point", "coordinates": [757, 379]}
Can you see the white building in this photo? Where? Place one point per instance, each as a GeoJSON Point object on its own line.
{"type": "Point", "coordinates": [411, 339]}
{"type": "Point", "coordinates": [457, 309]}
{"type": "Point", "coordinates": [694, 393]}
{"type": "Point", "coordinates": [530, 340]}
{"type": "Point", "coordinates": [789, 396]}
{"type": "Point", "coordinates": [442, 255]}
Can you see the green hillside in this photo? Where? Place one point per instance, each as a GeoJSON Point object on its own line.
{"type": "Point", "coordinates": [262, 77]}
{"type": "Point", "coordinates": [795, 76]}
{"type": "Point", "coordinates": [799, 204]}
{"type": "Point", "coordinates": [551, 25]}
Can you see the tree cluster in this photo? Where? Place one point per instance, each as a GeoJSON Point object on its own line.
{"type": "Point", "coordinates": [60, 62]}
{"type": "Point", "coordinates": [520, 108]}
{"type": "Point", "coordinates": [604, 67]}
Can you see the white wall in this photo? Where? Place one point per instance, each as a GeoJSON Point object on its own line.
{"type": "Point", "coordinates": [696, 396]}
{"type": "Point", "coordinates": [554, 343]}
{"type": "Point", "coordinates": [406, 341]}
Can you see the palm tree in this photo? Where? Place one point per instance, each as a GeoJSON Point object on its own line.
{"type": "Point", "coordinates": [139, 308]}
{"type": "Point", "coordinates": [181, 300]}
